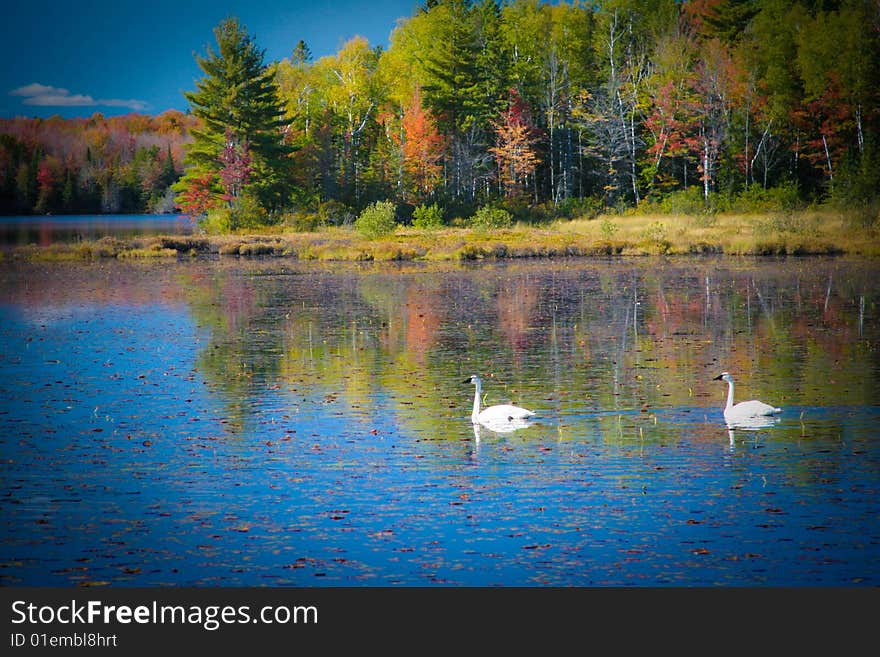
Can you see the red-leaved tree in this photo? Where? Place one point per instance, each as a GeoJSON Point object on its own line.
{"type": "Point", "coordinates": [423, 149]}
{"type": "Point", "coordinates": [515, 149]}
{"type": "Point", "coordinates": [236, 170]}
{"type": "Point", "coordinates": [200, 196]}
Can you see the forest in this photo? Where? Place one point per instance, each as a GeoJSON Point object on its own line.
{"type": "Point", "coordinates": [545, 110]}
{"type": "Point", "coordinates": [123, 164]}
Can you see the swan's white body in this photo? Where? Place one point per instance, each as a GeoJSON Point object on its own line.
{"type": "Point", "coordinates": [749, 413]}
{"type": "Point", "coordinates": [499, 415]}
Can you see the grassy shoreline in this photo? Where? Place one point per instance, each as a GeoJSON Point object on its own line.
{"type": "Point", "coordinates": [781, 233]}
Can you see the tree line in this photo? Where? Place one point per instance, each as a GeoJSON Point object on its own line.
{"type": "Point", "coordinates": [123, 164]}
{"type": "Point", "coordinates": [554, 108]}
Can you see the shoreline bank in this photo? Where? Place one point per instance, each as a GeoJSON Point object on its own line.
{"type": "Point", "coordinates": [772, 234]}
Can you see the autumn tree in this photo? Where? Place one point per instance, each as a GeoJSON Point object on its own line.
{"type": "Point", "coordinates": [124, 163]}
{"type": "Point", "coordinates": [48, 174]}
{"type": "Point", "coordinates": [712, 91]}
{"type": "Point", "coordinates": [515, 147]}
{"type": "Point", "coordinates": [236, 171]}
{"type": "Point", "coordinates": [200, 195]}
{"type": "Point", "coordinates": [238, 103]}
{"type": "Point", "coordinates": [630, 101]}
{"type": "Point", "coordinates": [670, 115]}
{"type": "Point", "coordinates": [423, 149]}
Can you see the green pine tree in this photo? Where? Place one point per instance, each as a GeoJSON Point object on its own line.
{"type": "Point", "coordinates": [452, 89]}
{"type": "Point", "coordinates": [302, 54]}
{"type": "Point", "coordinates": [68, 193]}
{"type": "Point", "coordinates": [169, 173]}
{"type": "Point", "coordinates": [238, 99]}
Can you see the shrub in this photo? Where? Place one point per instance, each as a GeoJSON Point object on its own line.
{"type": "Point", "coordinates": [655, 237]}
{"type": "Point", "coordinates": [784, 198]}
{"type": "Point", "coordinates": [247, 212]}
{"type": "Point", "coordinates": [688, 201]}
{"type": "Point", "coordinates": [574, 208]}
{"type": "Point", "coordinates": [376, 220]}
{"type": "Point", "coordinates": [490, 217]}
{"type": "Point", "coordinates": [302, 221]}
{"type": "Point", "coordinates": [865, 215]}
{"type": "Point", "coordinates": [334, 213]}
{"type": "Point", "coordinates": [428, 217]}
{"type": "Point", "coordinates": [259, 248]}
{"type": "Point", "coordinates": [520, 210]}
{"type": "Point", "coordinates": [106, 247]}
{"type": "Point", "coordinates": [608, 228]}
{"type": "Point", "coordinates": [216, 221]}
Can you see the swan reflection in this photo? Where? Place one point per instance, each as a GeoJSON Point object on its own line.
{"type": "Point", "coordinates": [755, 423]}
{"type": "Point", "coordinates": [501, 426]}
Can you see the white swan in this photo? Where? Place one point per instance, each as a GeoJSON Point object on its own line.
{"type": "Point", "coordinates": [751, 413]}
{"type": "Point", "coordinates": [502, 415]}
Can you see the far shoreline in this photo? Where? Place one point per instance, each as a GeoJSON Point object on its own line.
{"type": "Point", "coordinates": [784, 233]}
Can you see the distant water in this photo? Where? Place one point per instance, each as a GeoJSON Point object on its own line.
{"type": "Point", "coordinates": [46, 229]}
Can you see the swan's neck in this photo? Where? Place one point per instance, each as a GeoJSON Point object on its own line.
{"type": "Point", "coordinates": [477, 390]}
{"type": "Point", "coordinates": [729, 394]}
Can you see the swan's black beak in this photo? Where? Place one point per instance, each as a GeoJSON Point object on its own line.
{"type": "Point", "coordinates": [468, 380]}
{"type": "Point", "coordinates": [718, 378]}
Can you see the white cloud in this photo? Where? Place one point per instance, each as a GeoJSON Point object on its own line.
{"type": "Point", "coordinates": [37, 89]}
{"type": "Point", "coordinates": [136, 105]}
{"type": "Point", "coordinates": [46, 96]}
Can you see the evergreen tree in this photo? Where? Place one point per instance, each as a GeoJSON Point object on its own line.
{"type": "Point", "coordinates": [452, 90]}
{"type": "Point", "coordinates": [302, 54]}
{"type": "Point", "coordinates": [169, 173]}
{"type": "Point", "coordinates": [729, 19]}
{"type": "Point", "coordinates": [238, 103]}
{"type": "Point", "coordinates": [68, 193]}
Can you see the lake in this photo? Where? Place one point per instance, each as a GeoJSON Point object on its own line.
{"type": "Point", "coordinates": [48, 229]}
{"type": "Point", "coordinates": [249, 422]}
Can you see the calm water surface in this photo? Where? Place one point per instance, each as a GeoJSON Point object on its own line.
{"type": "Point", "coordinates": [49, 229]}
{"type": "Point", "coordinates": [267, 422]}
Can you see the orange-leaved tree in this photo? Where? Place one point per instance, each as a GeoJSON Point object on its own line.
{"type": "Point", "coordinates": [515, 150]}
{"type": "Point", "coordinates": [423, 149]}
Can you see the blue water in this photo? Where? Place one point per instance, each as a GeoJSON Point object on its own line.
{"type": "Point", "coordinates": [269, 423]}
{"type": "Point", "coordinates": [49, 229]}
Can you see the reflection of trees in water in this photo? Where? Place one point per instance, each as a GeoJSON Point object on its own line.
{"type": "Point", "coordinates": [242, 309]}
{"type": "Point", "coordinates": [586, 334]}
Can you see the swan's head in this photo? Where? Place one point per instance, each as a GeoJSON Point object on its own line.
{"type": "Point", "coordinates": [472, 379]}
{"type": "Point", "coordinates": [724, 376]}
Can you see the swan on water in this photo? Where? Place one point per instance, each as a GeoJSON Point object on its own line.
{"type": "Point", "coordinates": [751, 413]}
{"type": "Point", "coordinates": [501, 415]}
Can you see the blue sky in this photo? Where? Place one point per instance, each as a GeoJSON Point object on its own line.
{"type": "Point", "coordinates": [75, 58]}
